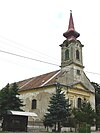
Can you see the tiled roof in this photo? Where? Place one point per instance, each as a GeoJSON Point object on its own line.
{"type": "Point", "coordinates": [38, 81]}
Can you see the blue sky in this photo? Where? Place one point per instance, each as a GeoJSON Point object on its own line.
{"type": "Point", "coordinates": [34, 28]}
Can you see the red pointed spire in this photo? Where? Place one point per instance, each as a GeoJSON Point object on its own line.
{"type": "Point", "coordinates": [71, 34]}
{"type": "Point", "coordinates": [71, 23]}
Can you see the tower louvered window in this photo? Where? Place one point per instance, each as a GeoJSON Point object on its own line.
{"type": "Point", "coordinates": [67, 54]}
{"type": "Point", "coordinates": [77, 55]}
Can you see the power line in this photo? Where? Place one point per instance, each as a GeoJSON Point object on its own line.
{"type": "Point", "coordinates": [25, 47]}
{"type": "Point", "coordinates": [40, 60]}
{"type": "Point", "coordinates": [27, 57]}
{"type": "Point", "coordinates": [93, 73]}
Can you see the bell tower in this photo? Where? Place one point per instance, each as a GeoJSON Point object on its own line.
{"type": "Point", "coordinates": [71, 48]}
{"type": "Point", "coordinates": [72, 73]}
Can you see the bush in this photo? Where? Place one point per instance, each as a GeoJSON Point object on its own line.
{"type": "Point", "coordinates": [85, 129]}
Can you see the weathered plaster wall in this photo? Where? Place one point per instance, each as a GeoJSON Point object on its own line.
{"type": "Point", "coordinates": [42, 95]}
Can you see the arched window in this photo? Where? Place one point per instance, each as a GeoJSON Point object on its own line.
{"type": "Point", "coordinates": [77, 55]}
{"type": "Point", "coordinates": [34, 104]}
{"type": "Point", "coordinates": [79, 101]}
{"type": "Point", "coordinates": [67, 54]}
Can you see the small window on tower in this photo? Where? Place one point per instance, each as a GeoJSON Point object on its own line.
{"type": "Point", "coordinates": [78, 72]}
{"type": "Point", "coordinates": [67, 54]}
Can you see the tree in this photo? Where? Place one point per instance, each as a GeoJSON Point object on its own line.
{"type": "Point", "coordinates": [9, 99]}
{"type": "Point", "coordinates": [97, 92]}
{"type": "Point", "coordinates": [97, 103]}
{"type": "Point", "coordinates": [58, 110]}
{"type": "Point", "coordinates": [84, 115]}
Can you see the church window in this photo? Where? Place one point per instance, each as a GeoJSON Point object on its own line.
{"type": "Point", "coordinates": [77, 55]}
{"type": "Point", "coordinates": [79, 101]}
{"type": "Point", "coordinates": [85, 99]}
{"type": "Point", "coordinates": [34, 104]}
{"type": "Point", "coordinates": [67, 54]}
{"type": "Point", "coordinates": [78, 72]}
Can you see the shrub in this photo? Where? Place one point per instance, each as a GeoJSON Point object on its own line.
{"type": "Point", "coordinates": [85, 129]}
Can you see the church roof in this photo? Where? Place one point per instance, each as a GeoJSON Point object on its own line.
{"type": "Point", "coordinates": [50, 79]}
{"type": "Point", "coordinates": [39, 81]}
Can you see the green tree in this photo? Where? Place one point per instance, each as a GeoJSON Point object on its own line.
{"type": "Point", "coordinates": [98, 117]}
{"type": "Point", "coordinates": [84, 115]}
{"type": "Point", "coordinates": [97, 92]}
{"type": "Point", "coordinates": [9, 99]}
{"type": "Point", "coordinates": [58, 110]}
{"type": "Point", "coordinates": [97, 103]}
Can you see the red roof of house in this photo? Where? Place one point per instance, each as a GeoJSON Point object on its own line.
{"type": "Point", "coordinates": [39, 81]}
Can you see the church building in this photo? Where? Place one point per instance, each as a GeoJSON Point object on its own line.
{"type": "Point", "coordinates": [36, 91]}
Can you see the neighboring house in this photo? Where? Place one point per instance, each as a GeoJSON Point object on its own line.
{"type": "Point", "coordinates": [36, 92]}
